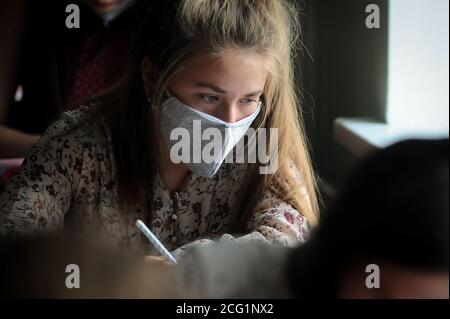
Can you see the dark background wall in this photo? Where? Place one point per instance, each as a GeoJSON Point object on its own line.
{"type": "Point", "coordinates": [346, 76]}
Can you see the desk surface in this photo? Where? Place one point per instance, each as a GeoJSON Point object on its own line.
{"type": "Point", "coordinates": [362, 136]}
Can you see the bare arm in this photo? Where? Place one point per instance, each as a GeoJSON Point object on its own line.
{"type": "Point", "coordinates": [13, 143]}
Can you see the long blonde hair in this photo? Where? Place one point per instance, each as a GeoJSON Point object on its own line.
{"type": "Point", "coordinates": [211, 26]}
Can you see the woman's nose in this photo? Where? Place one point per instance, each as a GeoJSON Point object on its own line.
{"type": "Point", "coordinates": [229, 113]}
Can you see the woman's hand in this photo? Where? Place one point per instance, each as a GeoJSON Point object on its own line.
{"type": "Point", "coordinates": [158, 260]}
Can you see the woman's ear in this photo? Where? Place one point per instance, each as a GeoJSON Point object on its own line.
{"type": "Point", "coordinates": [149, 74]}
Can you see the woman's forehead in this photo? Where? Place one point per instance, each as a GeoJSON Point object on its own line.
{"type": "Point", "coordinates": [231, 71]}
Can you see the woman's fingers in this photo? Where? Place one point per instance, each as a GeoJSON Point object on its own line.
{"type": "Point", "coordinates": [157, 260]}
{"type": "Point", "coordinates": [154, 258]}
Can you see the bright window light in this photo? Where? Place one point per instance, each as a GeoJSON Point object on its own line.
{"type": "Point", "coordinates": [418, 91]}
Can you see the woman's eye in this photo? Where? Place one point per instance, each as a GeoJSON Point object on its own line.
{"type": "Point", "coordinates": [248, 101]}
{"type": "Point", "coordinates": [209, 98]}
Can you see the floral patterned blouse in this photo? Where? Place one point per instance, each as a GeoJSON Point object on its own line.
{"type": "Point", "coordinates": [69, 181]}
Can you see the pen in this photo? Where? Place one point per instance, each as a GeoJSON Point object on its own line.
{"type": "Point", "coordinates": [148, 233]}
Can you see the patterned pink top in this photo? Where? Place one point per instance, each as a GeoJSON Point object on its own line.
{"type": "Point", "coordinates": [68, 181]}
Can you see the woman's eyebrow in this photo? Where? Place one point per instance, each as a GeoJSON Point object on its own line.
{"type": "Point", "coordinates": [254, 93]}
{"type": "Point", "coordinates": [222, 91]}
{"type": "Point", "coordinates": [211, 86]}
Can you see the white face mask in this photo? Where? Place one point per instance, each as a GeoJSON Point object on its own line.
{"type": "Point", "coordinates": [197, 130]}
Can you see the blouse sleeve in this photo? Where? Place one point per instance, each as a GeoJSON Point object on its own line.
{"type": "Point", "coordinates": [38, 197]}
{"type": "Point", "coordinates": [271, 221]}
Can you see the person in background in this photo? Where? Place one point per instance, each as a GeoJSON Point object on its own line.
{"type": "Point", "coordinates": [47, 68]}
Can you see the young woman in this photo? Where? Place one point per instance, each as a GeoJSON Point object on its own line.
{"type": "Point", "coordinates": [226, 64]}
